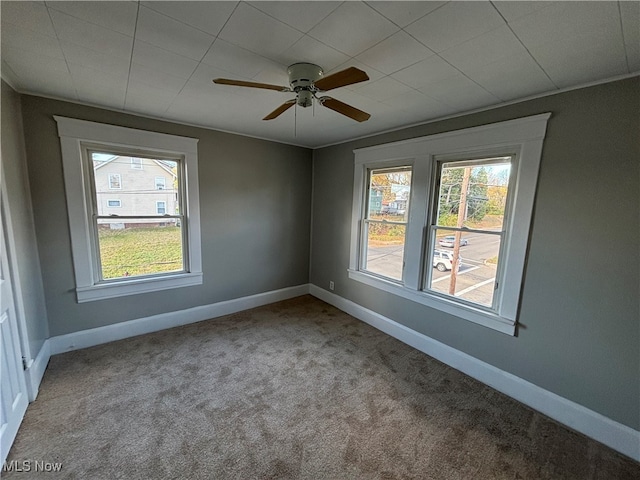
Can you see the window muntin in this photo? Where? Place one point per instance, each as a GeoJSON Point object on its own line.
{"type": "Point", "coordinates": [385, 222]}
{"type": "Point", "coordinates": [75, 137]}
{"type": "Point", "coordinates": [470, 201]}
{"type": "Point", "coordinates": [146, 237]}
{"type": "Point", "coordinates": [520, 139]}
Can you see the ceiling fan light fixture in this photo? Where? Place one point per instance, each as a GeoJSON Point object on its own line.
{"type": "Point", "coordinates": [305, 98]}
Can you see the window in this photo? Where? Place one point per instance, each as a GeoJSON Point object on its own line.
{"type": "Point", "coordinates": [150, 244]}
{"type": "Point", "coordinates": [385, 224]}
{"type": "Point", "coordinates": [444, 220]}
{"type": "Point", "coordinates": [160, 183]}
{"type": "Point", "coordinates": [136, 163]}
{"type": "Point", "coordinates": [115, 181]}
{"type": "Point", "coordinates": [470, 203]}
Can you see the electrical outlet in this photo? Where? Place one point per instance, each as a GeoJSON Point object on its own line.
{"type": "Point", "coordinates": [331, 285]}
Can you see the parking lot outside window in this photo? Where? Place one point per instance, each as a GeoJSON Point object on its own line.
{"type": "Point", "coordinates": [459, 205]}
{"type": "Point", "coordinates": [470, 201]}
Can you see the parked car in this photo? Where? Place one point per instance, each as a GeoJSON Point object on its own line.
{"type": "Point", "coordinates": [450, 240]}
{"type": "Point", "coordinates": [443, 260]}
{"type": "Point", "coordinates": [387, 210]}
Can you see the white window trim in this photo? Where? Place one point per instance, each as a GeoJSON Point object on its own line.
{"type": "Point", "coordinates": [164, 207]}
{"type": "Point", "coordinates": [136, 165]}
{"type": "Point", "coordinates": [73, 133]}
{"type": "Point", "coordinates": [523, 137]}
{"type": "Point", "coordinates": [119, 205]}
{"type": "Point", "coordinates": [163, 183]}
{"type": "Point", "coordinates": [119, 181]}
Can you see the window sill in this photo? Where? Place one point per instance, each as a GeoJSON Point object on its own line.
{"type": "Point", "coordinates": [465, 312]}
{"type": "Point", "coordinates": [122, 288]}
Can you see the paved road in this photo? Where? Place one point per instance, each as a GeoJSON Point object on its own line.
{"type": "Point", "coordinates": [475, 280]}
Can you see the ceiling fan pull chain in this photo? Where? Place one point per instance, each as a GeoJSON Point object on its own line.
{"type": "Point", "coordinates": [295, 121]}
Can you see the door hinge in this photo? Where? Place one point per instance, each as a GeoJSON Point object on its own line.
{"type": "Point", "coordinates": [24, 363]}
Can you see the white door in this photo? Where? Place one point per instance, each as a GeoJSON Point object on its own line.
{"type": "Point", "coordinates": [13, 388]}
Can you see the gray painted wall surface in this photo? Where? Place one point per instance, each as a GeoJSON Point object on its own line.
{"type": "Point", "coordinates": [580, 320]}
{"type": "Point", "coordinates": [14, 167]}
{"type": "Point", "coordinates": [255, 216]}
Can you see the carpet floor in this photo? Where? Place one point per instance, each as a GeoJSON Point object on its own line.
{"type": "Point", "coordinates": [296, 389]}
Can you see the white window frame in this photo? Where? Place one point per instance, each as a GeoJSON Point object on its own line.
{"type": "Point", "coordinates": [163, 183]}
{"type": "Point", "coordinates": [362, 264]}
{"type": "Point", "coordinates": [523, 138]}
{"type": "Point", "coordinates": [119, 181]}
{"type": "Point", "coordinates": [119, 205]}
{"type": "Point", "coordinates": [136, 163]}
{"type": "Point", "coordinates": [164, 207]}
{"type": "Point", "coordinates": [74, 135]}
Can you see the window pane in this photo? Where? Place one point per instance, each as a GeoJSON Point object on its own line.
{"type": "Point", "coordinates": [137, 163]}
{"type": "Point", "coordinates": [114, 181]}
{"type": "Point", "coordinates": [137, 187]}
{"type": "Point", "coordinates": [139, 247]}
{"type": "Point", "coordinates": [478, 263]}
{"type": "Point", "coordinates": [389, 193]}
{"type": "Point", "coordinates": [385, 249]}
{"type": "Point", "coordinates": [474, 195]}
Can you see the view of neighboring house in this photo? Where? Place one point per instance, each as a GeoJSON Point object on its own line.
{"type": "Point", "coordinates": [398, 205]}
{"type": "Point", "coordinates": [375, 200]}
{"type": "Point", "coordinates": [130, 186]}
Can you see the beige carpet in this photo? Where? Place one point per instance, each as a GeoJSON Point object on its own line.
{"type": "Point", "coordinates": [296, 389]}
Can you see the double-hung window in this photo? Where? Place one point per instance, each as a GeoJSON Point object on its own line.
{"type": "Point", "coordinates": [161, 208]}
{"type": "Point", "coordinates": [115, 181]}
{"type": "Point", "coordinates": [467, 228]}
{"type": "Point", "coordinates": [152, 241]}
{"type": "Point", "coordinates": [385, 223]}
{"type": "Point", "coordinates": [444, 220]}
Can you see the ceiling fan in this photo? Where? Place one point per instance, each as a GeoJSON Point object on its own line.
{"type": "Point", "coordinates": [307, 80]}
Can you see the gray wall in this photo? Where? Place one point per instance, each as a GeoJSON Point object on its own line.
{"type": "Point", "coordinates": [14, 169]}
{"type": "Point", "coordinates": [580, 319]}
{"type": "Point", "coordinates": [255, 218]}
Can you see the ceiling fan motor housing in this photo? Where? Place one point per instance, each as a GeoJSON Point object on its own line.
{"type": "Point", "coordinates": [301, 78]}
{"type": "Point", "coordinates": [303, 75]}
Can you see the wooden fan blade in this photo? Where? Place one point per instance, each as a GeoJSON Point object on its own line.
{"type": "Point", "coordinates": [344, 109]}
{"type": "Point", "coordinates": [280, 110]}
{"type": "Point", "coordinates": [241, 83]}
{"type": "Point", "coordinates": [342, 78]}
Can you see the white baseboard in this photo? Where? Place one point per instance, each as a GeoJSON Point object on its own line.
{"type": "Point", "coordinates": [36, 369]}
{"type": "Point", "coordinates": [154, 323]}
{"type": "Point", "coordinates": [592, 424]}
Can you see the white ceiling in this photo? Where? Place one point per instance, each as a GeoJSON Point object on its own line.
{"type": "Point", "coordinates": [425, 59]}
